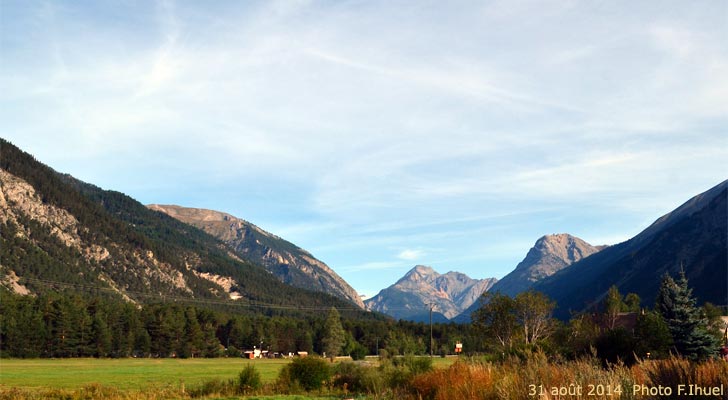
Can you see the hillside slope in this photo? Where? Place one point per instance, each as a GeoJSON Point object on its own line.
{"type": "Point", "coordinates": [60, 234]}
{"type": "Point", "coordinates": [290, 263]}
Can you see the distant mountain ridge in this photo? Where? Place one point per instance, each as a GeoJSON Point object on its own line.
{"type": "Point", "coordinates": [290, 263]}
{"type": "Point", "coordinates": [693, 237]}
{"type": "Point", "coordinates": [409, 298]}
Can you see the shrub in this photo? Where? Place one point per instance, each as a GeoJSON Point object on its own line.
{"type": "Point", "coordinates": [415, 365]}
{"type": "Point", "coordinates": [309, 373]}
{"type": "Point", "coordinates": [212, 387]}
{"type": "Point", "coordinates": [249, 380]}
{"type": "Point", "coordinates": [358, 378]}
{"type": "Point", "coordinates": [358, 352]}
{"type": "Point", "coordinates": [232, 351]}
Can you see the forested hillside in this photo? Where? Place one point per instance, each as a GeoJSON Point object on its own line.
{"type": "Point", "coordinates": [60, 234]}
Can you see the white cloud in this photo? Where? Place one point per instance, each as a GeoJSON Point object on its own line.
{"type": "Point", "coordinates": [410, 254]}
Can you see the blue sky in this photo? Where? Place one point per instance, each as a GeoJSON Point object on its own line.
{"type": "Point", "coordinates": [381, 135]}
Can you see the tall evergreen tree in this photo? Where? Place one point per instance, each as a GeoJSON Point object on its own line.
{"type": "Point", "coordinates": [334, 335]}
{"type": "Point", "coordinates": [686, 322]}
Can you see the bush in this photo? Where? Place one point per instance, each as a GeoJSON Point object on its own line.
{"type": "Point", "coordinates": [359, 352]}
{"type": "Point", "coordinates": [249, 380]}
{"type": "Point", "coordinates": [358, 378]}
{"type": "Point", "coordinates": [232, 351]}
{"type": "Point", "coordinates": [309, 373]}
{"type": "Point", "coordinates": [212, 387]}
{"type": "Point", "coordinates": [415, 365]}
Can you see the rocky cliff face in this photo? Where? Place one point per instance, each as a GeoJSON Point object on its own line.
{"type": "Point", "coordinates": [409, 297]}
{"type": "Point", "coordinates": [290, 263]}
{"type": "Point", "coordinates": [36, 224]}
{"type": "Point", "coordinates": [550, 254]}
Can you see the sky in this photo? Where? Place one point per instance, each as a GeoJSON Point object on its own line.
{"type": "Point", "coordinates": [380, 135]}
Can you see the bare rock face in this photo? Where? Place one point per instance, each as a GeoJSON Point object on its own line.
{"type": "Point", "coordinates": [21, 205]}
{"type": "Point", "coordinates": [290, 263]}
{"type": "Point", "coordinates": [550, 254]}
{"type": "Point", "coordinates": [411, 296]}
{"type": "Point", "coordinates": [18, 199]}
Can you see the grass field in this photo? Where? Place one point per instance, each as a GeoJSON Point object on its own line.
{"type": "Point", "coordinates": [134, 373]}
{"type": "Point", "coordinates": [128, 373]}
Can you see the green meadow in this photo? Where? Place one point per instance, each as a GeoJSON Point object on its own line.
{"type": "Point", "coordinates": [127, 373]}
{"type": "Point", "coordinates": [135, 374]}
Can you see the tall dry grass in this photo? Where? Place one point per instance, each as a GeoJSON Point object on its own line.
{"type": "Point", "coordinates": [538, 378]}
{"type": "Point", "coordinates": [676, 371]}
{"type": "Point", "coordinates": [535, 378]}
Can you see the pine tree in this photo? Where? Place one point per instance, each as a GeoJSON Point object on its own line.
{"type": "Point", "coordinates": [687, 324]}
{"type": "Point", "coordinates": [334, 335]}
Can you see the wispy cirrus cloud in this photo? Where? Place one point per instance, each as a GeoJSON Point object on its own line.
{"type": "Point", "coordinates": [378, 135]}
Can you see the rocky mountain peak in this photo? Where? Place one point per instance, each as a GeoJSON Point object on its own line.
{"type": "Point", "coordinates": [548, 255]}
{"type": "Point", "coordinates": [562, 246]}
{"type": "Point", "coordinates": [419, 273]}
{"type": "Point", "coordinates": [410, 296]}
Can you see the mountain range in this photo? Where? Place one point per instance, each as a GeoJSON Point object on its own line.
{"type": "Point", "coordinates": [411, 296]}
{"type": "Point", "coordinates": [58, 233]}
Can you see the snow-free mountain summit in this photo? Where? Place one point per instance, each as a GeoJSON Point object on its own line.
{"type": "Point", "coordinates": [550, 254]}
{"type": "Point", "coordinates": [290, 263]}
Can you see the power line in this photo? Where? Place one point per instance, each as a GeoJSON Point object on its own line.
{"type": "Point", "coordinates": [167, 298]}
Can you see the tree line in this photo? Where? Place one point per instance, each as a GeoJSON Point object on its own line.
{"type": "Point", "coordinates": [57, 324]}
{"type": "Point", "coordinates": [67, 324]}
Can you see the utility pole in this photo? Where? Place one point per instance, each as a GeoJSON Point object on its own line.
{"type": "Point", "coordinates": [431, 306]}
